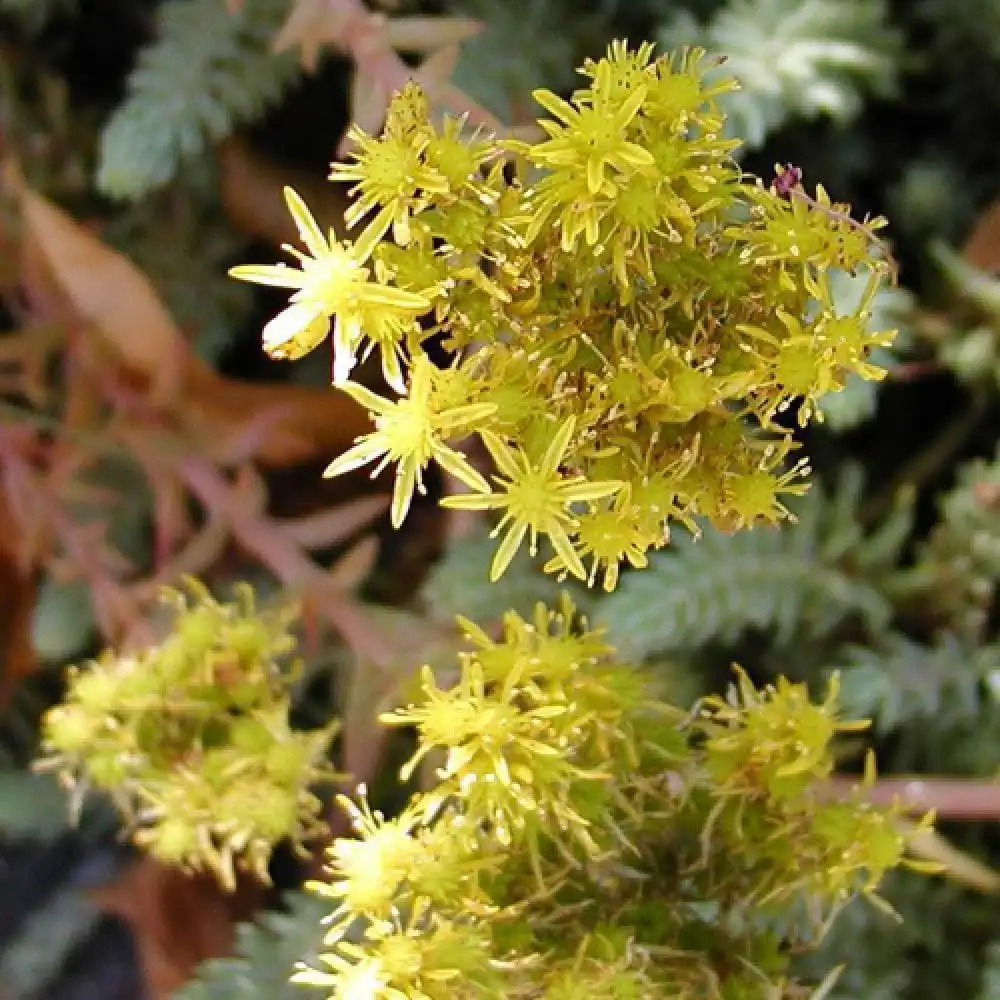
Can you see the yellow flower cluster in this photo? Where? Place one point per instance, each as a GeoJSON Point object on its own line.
{"type": "Point", "coordinates": [576, 832]}
{"type": "Point", "coordinates": [192, 739]}
{"type": "Point", "coordinates": [629, 316]}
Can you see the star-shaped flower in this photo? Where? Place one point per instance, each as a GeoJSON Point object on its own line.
{"type": "Point", "coordinates": [332, 281]}
{"type": "Point", "coordinates": [409, 431]}
{"type": "Point", "coordinates": [535, 499]}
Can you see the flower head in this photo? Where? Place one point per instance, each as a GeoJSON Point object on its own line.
{"type": "Point", "coordinates": [410, 431]}
{"type": "Point", "coordinates": [390, 172]}
{"type": "Point", "coordinates": [535, 499]}
{"type": "Point", "coordinates": [331, 281]}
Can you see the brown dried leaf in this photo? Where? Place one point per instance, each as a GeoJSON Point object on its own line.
{"type": "Point", "coordinates": [381, 72]}
{"type": "Point", "coordinates": [106, 290]}
{"type": "Point", "coordinates": [310, 423]}
{"type": "Point", "coordinates": [178, 920]}
{"type": "Point", "coordinates": [314, 24]}
{"type": "Point", "coordinates": [252, 191]}
{"type": "Point", "coordinates": [17, 601]}
{"type": "Point", "coordinates": [371, 40]}
{"type": "Point", "coordinates": [332, 526]}
{"type": "Point", "coordinates": [369, 98]}
{"type": "Point", "coordinates": [982, 248]}
{"type": "Point", "coordinates": [351, 569]}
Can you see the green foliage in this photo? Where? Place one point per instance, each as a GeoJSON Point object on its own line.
{"type": "Point", "coordinates": [903, 682]}
{"type": "Point", "coordinates": [265, 955]}
{"type": "Point", "coordinates": [63, 620]}
{"type": "Point", "coordinates": [795, 57]}
{"type": "Point", "coordinates": [207, 71]}
{"type": "Point", "coordinates": [36, 955]}
{"type": "Point", "coordinates": [800, 582]}
{"type": "Point", "coordinates": [460, 585]}
{"type": "Point", "coordinates": [35, 806]}
{"type": "Point", "coordinates": [955, 574]}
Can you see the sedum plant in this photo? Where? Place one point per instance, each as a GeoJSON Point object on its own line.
{"type": "Point", "coordinates": [583, 838]}
{"type": "Point", "coordinates": [630, 316]}
{"type": "Point", "coordinates": [192, 739]}
{"type": "Point", "coordinates": [635, 328]}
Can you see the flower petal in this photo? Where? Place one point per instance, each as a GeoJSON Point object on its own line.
{"type": "Point", "coordinates": [630, 108]}
{"type": "Point", "coordinates": [471, 501]}
{"type": "Point", "coordinates": [366, 450]}
{"type": "Point", "coordinates": [507, 550]}
{"type": "Point", "coordinates": [278, 275]}
{"type": "Point", "coordinates": [573, 492]}
{"type": "Point", "coordinates": [595, 174]}
{"type": "Point", "coordinates": [467, 413]}
{"type": "Point", "coordinates": [363, 395]}
{"type": "Point", "coordinates": [501, 454]}
{"type": "Point", "coordinates": [402, 491]}
{"type": "Point", "coordinates": [295, 331]}
{"type": "Point", "coordinates": [372, 234]}
{"type": "Point", "coordinates": [564, 549]}
{"type": "Point", "coordinates": [457, 465]}
{"type": "Point", "coordinates": [395, 298]}
{"type": "Point", "coordinates": [556, 106]}
{"type": "Point", "coordinates": [557, 447]}
{"type": "Point", "coordinates": [309, 231]}
{"type": "Point", "coordinates": [346, 334]}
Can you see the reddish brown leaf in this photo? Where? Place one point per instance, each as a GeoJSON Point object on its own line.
{"type": "Point", "coordinates": [335, 524]}
{"type": "Point", "coordinates": [251, 188]}
{"type": "Point", "coordinates": [310, 424]}
{"type": "Point", "coordinates": [17, 600]}
{"type": "Point", "coordinates": [178, 920]}
{"type": "Point", "coordinates": [425, 34]}
{"type": "Point", "coordinates": [982, 248]}
{"type": "Point", "coordinates": [106, 290]}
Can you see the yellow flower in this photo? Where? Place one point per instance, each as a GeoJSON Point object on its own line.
{"type": "Point", "coordinates": [409, 431]}
{"type": "Point", "coordinates": [332, 281]}
{"type": "Point", "coordinates": [366, 872]}
{"type": "Point", "coordinates": [390, 172]}
{"type": "Point", "coordinates": [364, 979]}
{"type": "Point", "coordinates": [591, 139]}
{"type": "Point", "coordinates": [535, 500]}
{"type": "Point", "coordinates": [609, 536]}
{"type": "Point", "coordinates": [295, 331]}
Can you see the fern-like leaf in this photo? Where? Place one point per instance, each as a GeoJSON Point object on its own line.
{"type": "Point", "coordinates": [208, 70]}
{"type": "Point", "coordinates": [460, 584]}
{"type": "Point", "coordinates": [903, 682]}
{"type": "Point", "coordinates": [800, 581]}
{"type": "Point", "coordinates": [795, 57]}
